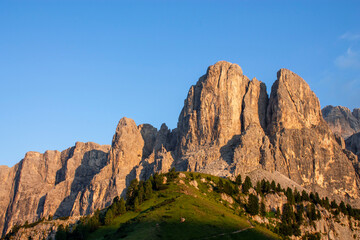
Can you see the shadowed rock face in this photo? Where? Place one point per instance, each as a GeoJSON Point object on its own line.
{"type": "Point", "coordinates": [353, 144]}
{"type": "Point", "coordinates": [341, 120]}
{"type": "Point", "coordinates": [228, 126]}
{"type": "Point", "coordinates": [346, 125]}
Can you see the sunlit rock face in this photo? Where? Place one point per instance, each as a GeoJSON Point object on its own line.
{"type": "Point", "coordinates": [304, 147]}
{"type": "Point", "coordinates": [49, 184]}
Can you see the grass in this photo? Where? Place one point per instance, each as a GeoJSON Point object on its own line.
{"type": "Point", "coordinates": [205, 216]}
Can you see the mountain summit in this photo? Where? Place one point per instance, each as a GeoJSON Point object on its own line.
{"type": "Point", "coordinates": [228, 126]}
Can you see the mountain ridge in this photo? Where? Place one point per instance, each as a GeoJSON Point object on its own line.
{"type": "Point", "coordinates": [228, 126]}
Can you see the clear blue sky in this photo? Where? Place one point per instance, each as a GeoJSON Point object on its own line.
{"type": "Point", "coordinates": [69, 70]}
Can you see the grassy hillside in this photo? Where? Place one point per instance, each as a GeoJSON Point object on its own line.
{"type": "Point", "coordinates": [199, 206]}
{"type": "Point", "coordinates": [205, 215]}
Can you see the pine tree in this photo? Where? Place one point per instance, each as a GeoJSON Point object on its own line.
{"type": "Point", "coordinates": [253, 205]}
{"type": "Point", "coordinates": [312, 197]}
{"type": "Point", "coordinates": [317, 198]}
{"type": "Point", "coordinates": [228, 189]}
{"type": "Point", "coordinates": [122, 206]}
{"type": "Point", "coordinates": [220, 185]}
{"type": "Point", "coordinates": [262, 209]}
{"type": "Point", "coordinates": [141, 192]}
{"type": "Point", "coordinates": [136, 204]}
{"type": "Point", "coordinates": [334, 204]}
{"type": "Point", "coordinates": [299, 214]}
{"type": "Point", "coordinates": [238, 180]}
{"type": "Point", "coordinates": [132, 191]}
{"type": "Point", "coordinates": [266, 187]}
{"type": "Point", "coordinates": [288, 215]}
{"type": "Point", "coordinates": [258, 187]}
{"type": "Point", "coordinates": [304, 196]}
{"type": "Point", "coordinates": [342, 208]}
{"type": "Point", "coordinates": [246, 185]}
{"type": "Point", "coordinates": [94, 222]}
{"type": "Point", "coordinates": [109, 216]}
{"type": "Point", "coordinates": [148, 190]}
{"type": "Point", "coordinates": [60, 233]}
{"type": "Point", "coordinates": [326, 203]}
{"type": "Point", "coordinates": [290, 196]}
{"type": "Point", "coordinates": [158, 182]}
{"type": "Point", "coordinates": [273, 186]}
{"type": "Point", "coordinates": [263, 185]}
{"type": "Point", "coordinates": [349, 210]}
{"type": "Point", "coordinates": [287, 226]}
{"type": "Point", "coordinates": [297, 196]}
{"type": "Point", "coordinates": [311, 212]}
{"type": "Point", "coordinates": [172, 175]}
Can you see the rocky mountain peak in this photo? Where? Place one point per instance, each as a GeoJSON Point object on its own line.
{"type": "Point", "coordinates": [292, 103]}
{"type": "Point", "coordinates": [341, 120]}
{"type": "Point", "coordinates": [213, 106]}
{"type": "Point", "coordinates": [356, 113]}
{"type": "Point", "coordinates": [223, 67]}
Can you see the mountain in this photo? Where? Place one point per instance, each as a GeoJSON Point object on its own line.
{"type": "Point", "coordinates": [346, 124]}
{"type": "Point", "coordinates": [341, 120]}
{"type": "Point", "coordinates": [228, 126]}
{"type": "Point", "coordinates": [353, 144]}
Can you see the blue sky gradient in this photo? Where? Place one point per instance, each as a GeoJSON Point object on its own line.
{"type": "Point", "coordinates": [69, 70]}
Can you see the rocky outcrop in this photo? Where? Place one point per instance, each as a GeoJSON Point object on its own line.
{"type": "Point", "coordinates": [211, 114]}
{"type": "Point", "coordinates": [83, 178]}
{"type": "Point", "coordinates": [219, 110]}
{"type": "Point", "coordinates": [47, 184]}
{"type": "Point", "coordinates": [304, 148]}
{"type": "Point", "coordinates": [341, 120]}
{"type": "Point", "coordinates": [228, 126]}
{"type": "Point", "coordinates": [7, 176]}
{"type": "Point", "coordinates": [353, 144]}
{"type": "Point", "coordinates": [346, 125]}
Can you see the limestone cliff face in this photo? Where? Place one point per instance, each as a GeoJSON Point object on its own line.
{"type": "Point", "coordinates": [212, 110]}
{"type": "Point", "coordinates": [7, 176]}
{"type": "Point", "coordinates": [304, 148]}
{"type": "Point", "coordinates": [47, 184]}
{"type": "Point", "coordinates": [341, 120]}
{"type": "Point", "coordinates": [217, 111]}
{"type": "Point", "coordinates": [228, 126]}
